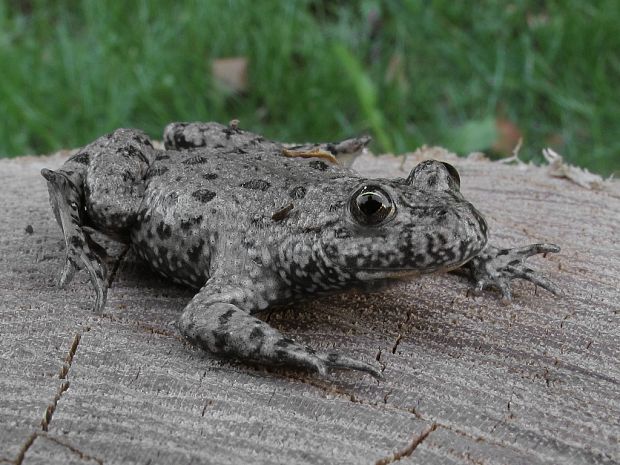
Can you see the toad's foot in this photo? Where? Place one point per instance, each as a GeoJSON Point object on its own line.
{"type": "Point", "coordinates": [81, 251]}
{"type": "Point", "coordinates": [225, 329]}
{"type": "Point", "coordinates": [187, 136]}
{"type": "Point", "coordinates": [344, 152]}
{"type": "Point", "coordinates": [495, 267]}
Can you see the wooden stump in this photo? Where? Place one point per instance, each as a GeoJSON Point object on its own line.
{"type": "Point", "coordinates": [468, 380]}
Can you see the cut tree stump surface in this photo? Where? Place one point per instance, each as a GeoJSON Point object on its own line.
{"type": "Point", "coordinates": [468, 380]}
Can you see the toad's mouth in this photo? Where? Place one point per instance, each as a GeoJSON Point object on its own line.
{"type": "Point", "coordinates": [369, 274]}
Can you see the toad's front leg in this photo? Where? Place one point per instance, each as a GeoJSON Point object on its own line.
{"type": "Point", "coordinates": [496, 267]}
{"type": "Point", "coordinates": [215, 321]}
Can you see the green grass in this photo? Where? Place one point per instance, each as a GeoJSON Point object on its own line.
{"type": "Point", "coordinates": [410, 72]}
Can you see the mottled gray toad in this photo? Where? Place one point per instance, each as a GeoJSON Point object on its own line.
{"type": "Point", "coordinates": [253, 223]}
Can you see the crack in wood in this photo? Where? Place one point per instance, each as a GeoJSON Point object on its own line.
{"type": "Point", "coordinates": [37, 434]}
{"type": "Point", "coordinates": [62, 374]}
{"type": "Point", "coordinates": [69, 358]}
{"type": "Point", "coordinates": [396, 343]}
{"type": "Point", "coordinates": [330, 389]}
{"type": "Point", "coordinates": [24, 448]}
{"type": "Point", "coordinates": [51, 408]}
{"type": "Point", "coordinates": [409, 448]}
{"type": "Point", "coordinates": [75, 450]}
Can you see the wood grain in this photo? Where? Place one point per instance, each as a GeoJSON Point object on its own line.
{"type": "Point", "coordinates": [468, 380]}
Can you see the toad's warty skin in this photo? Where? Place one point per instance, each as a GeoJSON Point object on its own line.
{"type": "Point", "coordinates": [252, 224]}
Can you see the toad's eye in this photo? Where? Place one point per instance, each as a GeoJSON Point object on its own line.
{"type": "Point", "coordinates": [454, 174]}
{"type": "Point", "coordinates": [371, 205]}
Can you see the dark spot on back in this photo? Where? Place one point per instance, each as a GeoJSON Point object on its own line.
{"type": "Point", "coordinates": [197, 160]}
{"type": "Point", "coordinates": [257, 333]}
{"type": "Point", "coordinates": [156, 171]}
{"type": "Point", "coordinates": [163, 156]}
{"type": "Point", "coordinates": [230, 130]}
{"type": "Point", "coordinates": [29, 229]}
{"type": "Point", "coordinates": [82, 158]}
{"type": "Point", "coordinates": [164, 231]}
{"type": "Point", "coordinates": [225, 317]}
{"type": "Point", "coordinates": [257, 222]}
{"type": "Point", "coordinates": [209, 176]}
{"type": "Point", "coordinates": [181, 142]}
{"type": "Point", "coordinates": [318, 165]}
{"type": "Point", "coordinates": [257, 184]}
{"type": "Point", "coordinates": [203, 195]}
{"type": "Point", "coordinates": [188, 223]}
{"type": "Point", "coordinates": [220, 338]}
{"type": "Point", "coordinates": [298, 192]}
{"type": "Point", "coordinates": [195, 252]}
{"type": "Point", "coordinates": [143, 141]}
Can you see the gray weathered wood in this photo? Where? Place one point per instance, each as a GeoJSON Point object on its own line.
{"type": "Point", "coordinates": [533, 382]}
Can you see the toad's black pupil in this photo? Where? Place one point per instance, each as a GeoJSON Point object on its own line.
{"type": "Point", "coordinates": [370, 203]}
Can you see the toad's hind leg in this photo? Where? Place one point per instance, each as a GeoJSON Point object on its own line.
{"type": "Point", "coordinates": [187, 136]}
{"type": "Point", "coordinates": [98, 188]}
{"type": "Point", "coordinates": [65, 199]}
{"type": "Point", "coordinates": [213, 322]}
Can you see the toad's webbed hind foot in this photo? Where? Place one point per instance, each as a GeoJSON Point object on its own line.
{"type": "Point", "coordinates": [81, 252]}
{"type": "Point", "coordinates": [224, 329]}
{"type": "Point", "coordinates": [495, 267]}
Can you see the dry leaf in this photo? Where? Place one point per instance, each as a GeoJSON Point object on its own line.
{"type": "Point", "coordinates": [231, 73]}
{"type": "Point", "coordinates": [508, 135]}
{"type": "Point", "coordinates": [581, 176]}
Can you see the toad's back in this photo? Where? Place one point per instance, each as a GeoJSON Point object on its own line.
{"type": "Point", "coordinates": [203, 205]}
